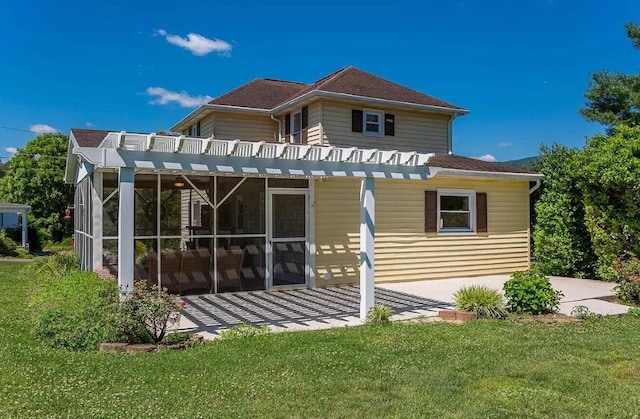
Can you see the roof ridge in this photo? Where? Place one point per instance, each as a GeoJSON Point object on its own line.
{"type": "Point", "coordinates": [281, 81]}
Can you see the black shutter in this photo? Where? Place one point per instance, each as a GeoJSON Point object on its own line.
{"type": "Point", "coordinates": [430, 211]}
{"type": "Point", "coordinates": [287, 125]}
{"type": "Point", "coordinates": [481, 212]}
{"type": "Point", "coordinates": [356, 120]}
{"type": "Point", "coordinates": [305, 117]}
{"type": "Point", "coordinates": [198, 129]}
{"type": "Point", "coordinates": [389, 124]}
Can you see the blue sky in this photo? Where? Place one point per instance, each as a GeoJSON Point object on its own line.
{"type": "Point", "coordinates": [521, 67]}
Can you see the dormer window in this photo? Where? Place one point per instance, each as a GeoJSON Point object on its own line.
{"type": "Point", "coordinates": [295, 126]}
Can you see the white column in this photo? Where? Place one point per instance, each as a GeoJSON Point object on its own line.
{"type": "Point", "coordinates": [24, 229]}
{"type": "Point", "coordinates": [126, 252]}
{"type": "Point", "coordinates": [96, 212]}
{"type": "Point", "coordinates": [367, 245]}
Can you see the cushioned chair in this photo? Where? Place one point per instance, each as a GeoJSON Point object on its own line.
{"type": "Point", "coordinates": [230, 269]}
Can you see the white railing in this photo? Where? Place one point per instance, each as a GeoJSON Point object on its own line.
{"type": "Point", "coordinates": [259, 149]}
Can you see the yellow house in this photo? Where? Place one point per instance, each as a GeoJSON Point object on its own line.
{"type": "Point", "coordinates": [279, 184]}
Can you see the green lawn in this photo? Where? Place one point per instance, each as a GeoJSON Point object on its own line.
{"type": "Point", "coordinates": [480, 369]}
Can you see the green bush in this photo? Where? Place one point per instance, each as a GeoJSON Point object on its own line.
{"type": "Point", "coordinates": [530, 292]}
{"type": "Point", "coordinates": [7, 246]}
{"type": "Point", "coordinates": [77, 311]}
{"type": "Point", "coordinates": [54, 266]}
{"type": "Point", "coordinates": [149, 312]}
{"type": "Point", "coordinates": [379, 314]}
{"type": "Point", "coordinates": [626, 272]}
{"type": "Point", "coordinates": [485, 301]}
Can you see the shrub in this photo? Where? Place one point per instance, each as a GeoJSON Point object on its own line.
{"type": "Point", "coordinates": [486, 302]}
{"type": "Point", "coordinates": [148, 310]}
{"type": "Point", "coordinates": [531, 292]}
{"type": "Point", "coordinates": [77, 311]}
{"type": "Point", "coordinates": [627, 274]}
{"type": "Point", "coordinates": [379, 314]}
{"type": "Point", "coordinates": [634, 312]}
{"type": "Point", "coordinates": [583, 312]}
{"type": "Point", "coordinates": [54, 266]}
{"type": "Point", "coordinates": [7, 246]}
{"type": "Point", "coordinates": [244, 330]}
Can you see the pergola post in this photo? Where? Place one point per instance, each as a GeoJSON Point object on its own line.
{"type": "Point", "coordinates": [96, 213]}
{"type": "Point", "coordinates": [24, 229]}
{"type": "Point", "coordinates": [126, 251]}
{"type": "Point", "coordinates": [367, 245]}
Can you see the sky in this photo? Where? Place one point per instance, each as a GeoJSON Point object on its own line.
{"type": "Point", "coordinates": [520, 67]}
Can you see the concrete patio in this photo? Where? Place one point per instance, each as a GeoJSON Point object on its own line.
{"type": "Point", "coordinates": [323, 308]}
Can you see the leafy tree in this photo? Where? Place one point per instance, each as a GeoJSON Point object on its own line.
{"type": "Point", "coordinates": [562, 245]}
{"type": "Point", "coordinates": [610, 184]}
{"type": "Point", "coordinates": [613, 98]}
{"type": "Point", "coordinates": [34, 176]}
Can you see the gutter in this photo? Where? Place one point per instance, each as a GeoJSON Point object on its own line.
{"type": "Point", "coordinates": [279, 127]}
{"type": "Point", "coordinates": [450, 133]}
{"type": "Point", "coordinates": [458, 173]}
{"type": "Point", "coordinates": [535, 187]}
{"type": "Point", "coordinates": [372, 100]}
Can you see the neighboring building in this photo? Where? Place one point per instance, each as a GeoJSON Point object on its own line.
{"type": "Point", "coordinates": [279, 184]}
{"type": "Point", "coordinates": [14, 216]}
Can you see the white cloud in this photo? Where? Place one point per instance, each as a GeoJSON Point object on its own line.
{"type": "Point", "coordinates": [164, 96]}
{"type": "Point", "coordinates": [89, 124]}
{"type": "Point", "coordinates": [42, 129]}
{"type": "Point", "coordinates": [487, 157]}
{"type": "Point", "coordinates": [505, 144]}
{"type": "Point", "coordinates": [11, 150]}
{"type": "Point", "coordinates": [197, 44]}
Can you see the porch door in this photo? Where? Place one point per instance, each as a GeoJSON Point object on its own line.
{"type": "Point", "coordinates": [288, 238]}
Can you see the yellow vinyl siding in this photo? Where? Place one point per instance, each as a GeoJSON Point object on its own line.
{"type": "Point", "coordinates": [404, 252]}
{"type": "Point", "coordinates": [206, 126]}
{"type": "Point", "coordinates": [414, 131]}
{"type": "Point", "coordinates": [237, 126]}
{"type": "Point", "coordinates": [314, 124]}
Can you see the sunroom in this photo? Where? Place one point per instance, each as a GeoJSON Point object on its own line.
{"type": "Point", "coordinates": [201, 215]}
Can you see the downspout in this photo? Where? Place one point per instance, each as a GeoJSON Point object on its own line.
{"type": "Point", "coordinates": [535, 187]}
{"type": "Point", "coordinates": [279, 127]}
{"type": "Point", "coordinates": [450, 133]}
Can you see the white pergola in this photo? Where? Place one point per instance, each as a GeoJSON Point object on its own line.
{"type": "Point", "coordinates": [22, 210]}
{"type": "Point", "coordinates": [129, 153]}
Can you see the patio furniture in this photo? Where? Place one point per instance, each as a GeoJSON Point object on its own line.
{"type": "Point", "coordinates": [230, 268]}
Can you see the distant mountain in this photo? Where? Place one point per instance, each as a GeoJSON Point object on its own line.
{"type": "Point", "coordinates": [525, 163]}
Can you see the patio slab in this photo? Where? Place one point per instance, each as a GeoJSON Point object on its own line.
{"type": "Point", "coordinates": [324, 308]}
{"type": "Point", "coordinates": [576, 291]}
{"type": "Point", "coordinates": [302, 309]}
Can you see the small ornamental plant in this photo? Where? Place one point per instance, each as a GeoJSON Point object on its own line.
{"type": "Point", "coordinates": [379, 314]}
{"type": "Point", "coordinates": [485, 301]}
{"type": "Point", "coordinates": [626, 272]}
{"type": "Point", "coordinates": [149, 310]}
{"type": "Point", "coordinates": [530, 292]}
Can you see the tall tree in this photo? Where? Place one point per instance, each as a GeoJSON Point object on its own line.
{"type": "Point", "coordinates": [613, 98]}
{"type": "Point", "coordinates": [34, 176]}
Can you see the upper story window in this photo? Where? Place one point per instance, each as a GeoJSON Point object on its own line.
{"type": "Point", "coordinates": [194, 130]}
{"type": "Point", "coordinates": [372, 122]}
{"type": "Point", "coordinates": [295, 126]}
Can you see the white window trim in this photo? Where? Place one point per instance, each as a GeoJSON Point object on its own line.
{"type": "Point", "coordinates": [471, 194]}
{"type": "Point", "coordinates": [381, 121]}
{"type": "Point", "coordinates": [291, 130]}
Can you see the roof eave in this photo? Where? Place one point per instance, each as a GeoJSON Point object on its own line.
{"type": "Point", "coordinates": [365, 99]}
{"type": "Point", "coordinates": [479, 174]}
{"type": "Point", "coordinates": [72, 160]}
{"type": "Point", "coordinates": [185, 122]}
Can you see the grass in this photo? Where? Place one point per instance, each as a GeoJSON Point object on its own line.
{"type": "Point", "coordinates": [480, 369]}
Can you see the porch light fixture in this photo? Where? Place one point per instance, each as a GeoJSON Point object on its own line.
{"type": "Point", "coordinates": [179, 182]}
